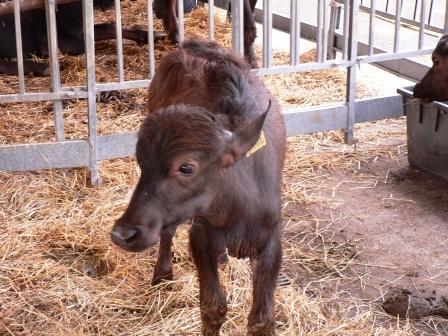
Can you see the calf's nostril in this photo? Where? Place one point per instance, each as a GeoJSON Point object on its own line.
{"type": "Point", "coordinates": [125, 235]}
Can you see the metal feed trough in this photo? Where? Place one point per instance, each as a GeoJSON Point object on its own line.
{"type": "Point", "coordinates": [427, 129]}
{"type": "Point", "coordinates": [325, 31]}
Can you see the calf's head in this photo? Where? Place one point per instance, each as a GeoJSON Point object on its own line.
{"type": "Point", "coordinates": [434, 86]}
{"type": "Point", "coordinates": [183, 153]}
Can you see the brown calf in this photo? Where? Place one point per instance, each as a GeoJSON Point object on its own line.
{"type": "Point", "coordinates": [434, 86]}
{"type": "Point", "coordinates": [211, 149]}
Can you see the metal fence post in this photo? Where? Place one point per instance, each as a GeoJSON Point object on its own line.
{"type": "Point", "coordinates": [50, 9]}
{"type": "Point", "coordinates": [119, 41]}
{"type": "Point", "coordinates": [267, 33]}
{"type": "Point", "coordinates": [89, 39]}
{"type": "Point", "coordinates": [372, 27]}
{"type": "Point", "coordinates": [445, 28]}
{"type": "Point", "coordinates": [237, 26]}
{"type": "Point", "coordinates": [211, 19]}
{"type": "Point", "coordinates": [180, 19]}
{"type": "Point", "coordinates": [151, 52]}
{"type": "Point", "coordinates": [18, 29]}
{"type": "Point", "coordinates": [351, 70]}
{"type": "Point", "coordinates": [294, 42]}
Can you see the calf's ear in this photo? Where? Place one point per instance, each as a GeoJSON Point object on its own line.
{"type": "Point", "coordinates": [243, 139]}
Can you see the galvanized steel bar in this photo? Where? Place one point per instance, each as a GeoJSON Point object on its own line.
{"type": "Point", "coordinates": [445, 26]}
{"type": "Point", "coordinates": [430, 11]}
{"type": "Point", "coordinates": [371, 25]}
{"type": "Point", "coordinates": [50, 9]}
{"type": "Point", "coordinates": [397, 25]}
{"type": "Point", "coordinates": [346, 28]}
{"type": "Point", "coordinates": [65, 154]}
{"type": "Point", "coordinates": [151, 53]}
{"type": "Point", "coordinates": [211, 19]}
{"type": "Point", "coordinates": [238, 26]}
{"type": "Point", "coordinates": [323, 55]}
{"type": "Point", "coordinates": [320, 20]}
{"type": "Point", "coordinates": [393, 56]}
{"type": "Point", "coordinates": [267, 33]}
{"type": "Point", "coordinates": [326, 118]}
{"type": "Point", "coordinates": [294, 37]}
{"type": "Point", "coordinates": [180, 18]}
{"type": "Point", "coordinates": [351, 71]}
{"type": "Point", "coordinates": [19, 51]}
{"type": "Point", "coordinates": [89, 39]}
{"type": "Point", "coordinates": [421, 33]}
{"type": "Point", "coordinates": [301, 67]}
{"type": "Point", "coordinates": [119, 41]}
{"type": "Point", "coordinates": [40, 96]}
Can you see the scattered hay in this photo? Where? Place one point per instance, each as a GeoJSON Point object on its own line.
{"type": "Point", "coordinates": [60, 275]}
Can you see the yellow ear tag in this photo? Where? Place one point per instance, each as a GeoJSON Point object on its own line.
{"type": "Point", "coordinates": [260, 144]}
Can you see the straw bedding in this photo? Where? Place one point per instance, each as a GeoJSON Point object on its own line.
{"type": "Point", "coordinates": [60, 275]}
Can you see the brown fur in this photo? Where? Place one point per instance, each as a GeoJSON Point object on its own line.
{"type": "Point", "coordinates": [206, 113]}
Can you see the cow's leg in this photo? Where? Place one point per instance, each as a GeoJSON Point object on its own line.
{"type": "Point", "coordinates": [71, 45]}
{"type": "Point", "coordinates": [204, 242]}
{"type": "Point", "coordinates": [29, 68]}
{"type": "Point", "coordinates": [106, 31]}
{"type": "Point", "coordinates": [250, 33]}
{"type": "Point", "coordinates": [164, 268]}
{"type": "Point", "coordinates": [265, 268]}
{"type": "Point", "coordinates": [170, 21]}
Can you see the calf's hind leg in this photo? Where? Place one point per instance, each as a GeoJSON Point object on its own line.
{"type": "Point", "coordinates": [205, 251]}
{"type": "Point", "coordinates": [265, 268]}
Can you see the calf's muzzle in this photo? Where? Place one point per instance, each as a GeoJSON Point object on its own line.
{"type": "Point", "coordinates": [133, 237]}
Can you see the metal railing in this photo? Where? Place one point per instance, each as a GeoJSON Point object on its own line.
{"type": "Point", "coordinates": [64, 153]}
{"type": "Point", "coordinates": [413, 13]}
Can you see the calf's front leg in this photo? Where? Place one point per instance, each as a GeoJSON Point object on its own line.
{"type": "Point", "coordinates": [163, 269]}
{"type": "Point", "coordinates": [205, 251]}
{"type": "Point", "coordinates": [265, 269]}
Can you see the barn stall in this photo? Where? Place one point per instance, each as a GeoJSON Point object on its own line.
{"type": "Point", "coordinates": [61, 275]}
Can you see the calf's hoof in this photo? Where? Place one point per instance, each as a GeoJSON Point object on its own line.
{"type": "Point", "coordinates": [162, 277]}
{"type": "Point", "coordinates": [212, 319]}
{"type": "Point", "coordinates": [265, 328]}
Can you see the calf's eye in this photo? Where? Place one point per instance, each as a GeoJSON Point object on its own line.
{"type": "Point", "coordinates": [186, 169]}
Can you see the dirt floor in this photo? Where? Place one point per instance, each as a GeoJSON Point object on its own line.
{"type": "Point", "coordinates": [394, 218]}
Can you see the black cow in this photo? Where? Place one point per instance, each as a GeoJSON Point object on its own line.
{"type": "Point", "coordinates": [69, 19]}
{"type": "Point", "coordinates": [166, 9]}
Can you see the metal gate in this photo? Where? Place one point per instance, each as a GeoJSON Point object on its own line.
{"type": "Point", "coordinates": [64, 153]}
